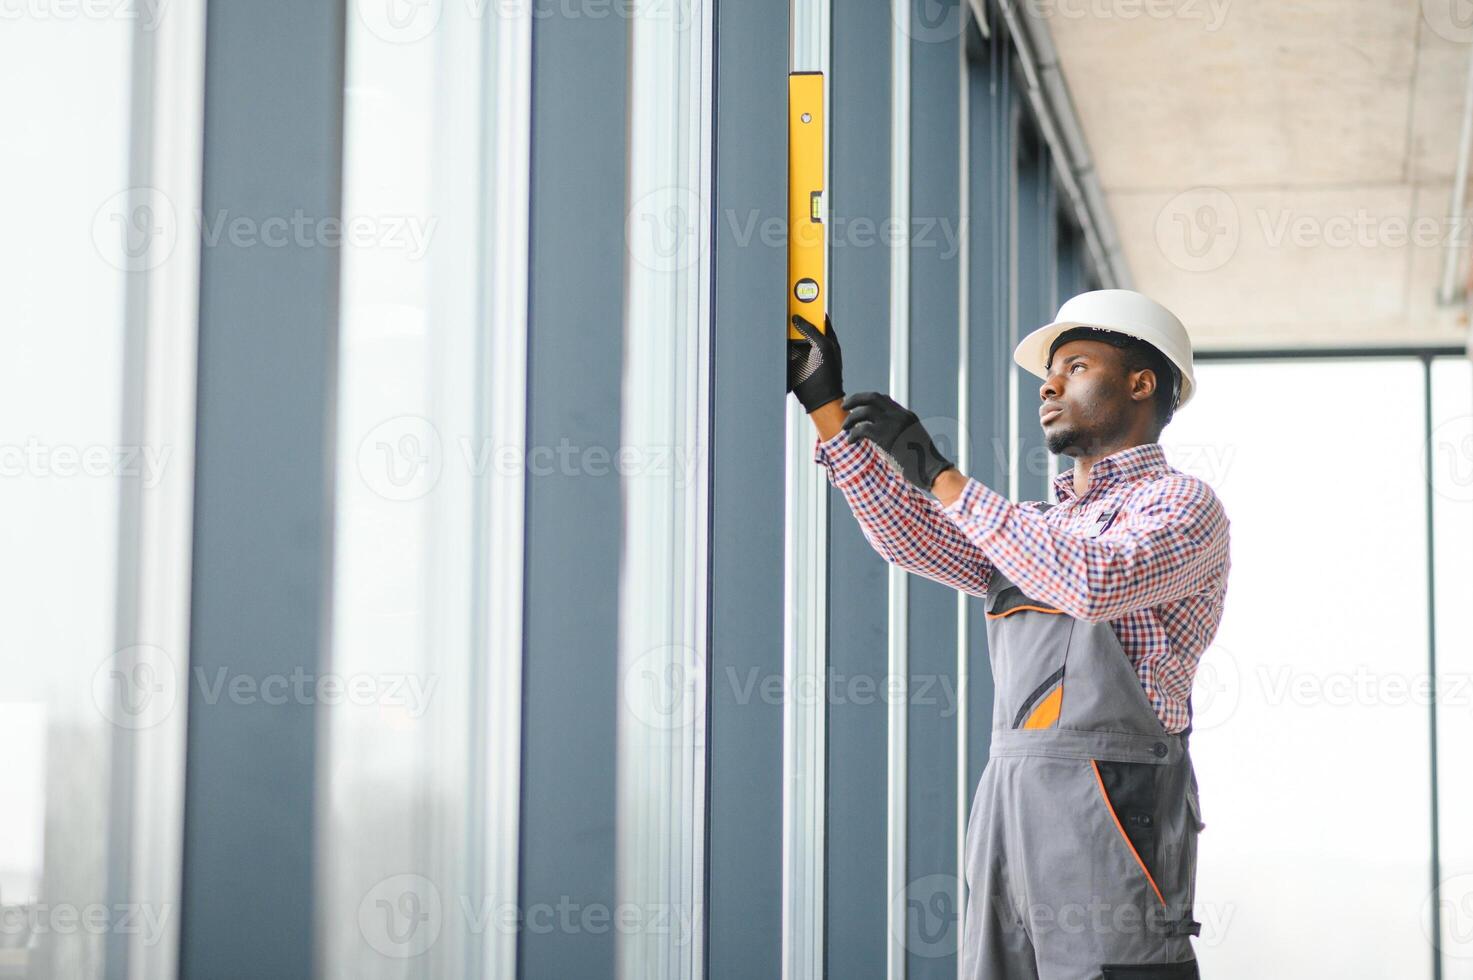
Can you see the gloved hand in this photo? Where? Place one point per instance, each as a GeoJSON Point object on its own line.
{"type": "Point", "coordinates": [898, 431]}
{"type": "Point", "coordinates": [815, 365]}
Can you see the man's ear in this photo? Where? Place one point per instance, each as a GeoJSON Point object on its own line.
{"type": "Point", "coordinates": [1142, 384]}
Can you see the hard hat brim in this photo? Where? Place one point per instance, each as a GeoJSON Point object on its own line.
{"type": "Point", "coordinates": [1031, 354]}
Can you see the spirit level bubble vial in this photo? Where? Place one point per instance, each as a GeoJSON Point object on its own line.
{"type": "Point", "coordinates": [807, 292]}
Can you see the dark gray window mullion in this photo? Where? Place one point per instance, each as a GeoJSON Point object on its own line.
{"type": "Point", "coordinates": [1070, 261]}
{"type": "Point", "coordinates": [1032, 283]}
{"type": "Point", "coordinates": [1063, 259]}
{"type": "Point", "coordinates": [1062, 255]}
{"type": "Point", "coordinates": [1049, 253]}
{"type": "Point", "coordinates": [1048, 304]}
{"type": "Point", "coordinates": [935, 266]}
{"type": "Point", "coordinates": [991, 350]}
{"type": "Point", "coordinates": [1087, 277]}
{"type": "Point", "coordinates": [262, 558]}
{"type": "Point", "coordinates": [748, 418]}
{"type": "Point", "coordinates": [1083, 278]}
{"type": "Point", "coordinates": [573, 518]}
{"type": "Point", "coordinates": [857, 900]}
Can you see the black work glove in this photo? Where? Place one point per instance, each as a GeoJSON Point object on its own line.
{"type": "Point", "coordinates": [898, 431]}
{"type": "Point", "coordinates": [815, 365]}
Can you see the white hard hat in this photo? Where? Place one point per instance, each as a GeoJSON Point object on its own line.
{"type": "Point", "coordinates": [1122, 311]}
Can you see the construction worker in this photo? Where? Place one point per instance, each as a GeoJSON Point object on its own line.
{"type": "Point", "coordinates": [1082, 839]}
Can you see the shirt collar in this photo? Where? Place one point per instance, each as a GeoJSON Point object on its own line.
{"type": "Point", "coordinates": [1127, 466]}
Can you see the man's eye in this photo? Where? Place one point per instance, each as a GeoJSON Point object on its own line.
{"type": "Point", "coordinates": [1076, 364]}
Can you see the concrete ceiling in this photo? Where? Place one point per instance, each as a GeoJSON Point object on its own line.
{"type": "Point", "coordinates": [1279, 172]}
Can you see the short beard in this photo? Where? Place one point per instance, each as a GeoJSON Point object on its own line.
{"type": "Point", "coordinates": [1061, 440]}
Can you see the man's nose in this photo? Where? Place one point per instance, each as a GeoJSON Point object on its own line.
{"type": "Point", "coordinates": [1051, 387]}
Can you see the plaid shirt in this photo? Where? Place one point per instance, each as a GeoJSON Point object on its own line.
{"type": "Point", "coordinates": [1145, 548]}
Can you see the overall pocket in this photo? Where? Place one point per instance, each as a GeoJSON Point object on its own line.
{"type": "Point", "coordinates": [1129, 793]}
{"type": "Point", "coordinates": [1029, 644]}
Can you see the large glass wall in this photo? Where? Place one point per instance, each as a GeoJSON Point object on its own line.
{"type": "Point", "coordinates": [521, 767]}
{"type": "Point", "coordinates": [1312, 734]}
{"type": "Point", "coordinates": [586, 584]}
{"type": "Point", "coordinates": [445, 449]}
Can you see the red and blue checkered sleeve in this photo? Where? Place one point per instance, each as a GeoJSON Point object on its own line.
{"type": "Point", "coordinates": [1171, 542]}
{"type": "Point", "coordinates": [903, 524]}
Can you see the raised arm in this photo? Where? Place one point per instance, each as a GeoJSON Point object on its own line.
{"type": "Point", "coordinates": [1171, 544]}
{"type": "Point", "coordinates": [905, 526]}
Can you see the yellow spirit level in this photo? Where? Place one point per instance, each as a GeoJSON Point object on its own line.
{"type": "Point", "coordinates": [807, 292]}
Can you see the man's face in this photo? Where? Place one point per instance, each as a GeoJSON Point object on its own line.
{"type": "Point", "coordinates": [1086, 398]}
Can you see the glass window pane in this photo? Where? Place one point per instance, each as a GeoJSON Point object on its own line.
{"type": "Point", "coordinates": [401, 892]}
{"type": "Point", "coordinates": [63, 191]}
{"type": "Point", "coordinates": [1310, 742]}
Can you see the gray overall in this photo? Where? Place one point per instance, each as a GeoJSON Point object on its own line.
{"type": "Point", "coordinates": [1082, 841]}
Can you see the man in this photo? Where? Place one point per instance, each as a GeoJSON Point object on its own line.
{"type": "Point", "coordinates": [1081, 844]}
